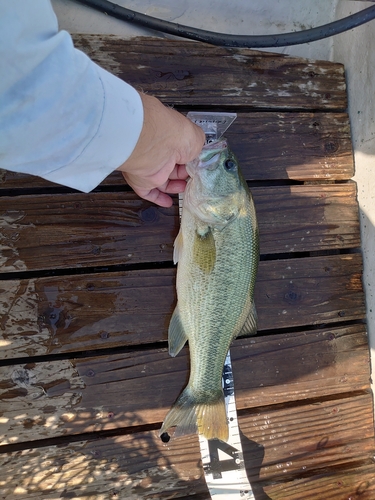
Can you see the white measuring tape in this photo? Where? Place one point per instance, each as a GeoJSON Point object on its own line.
{"type": "Point", "coordinates": [223, 463]}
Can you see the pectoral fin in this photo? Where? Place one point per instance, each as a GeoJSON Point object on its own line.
{"type": "Point", "coordinates": [250, 325]}
{"type": "Point", "coordinates": [204, 250]}
{"type": "Point", "coordinates": [177, 247]}
{"type": "Point", "coordinates": [176, 334]}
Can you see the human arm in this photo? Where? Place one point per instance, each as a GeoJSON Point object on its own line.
{"type": "Point", "coordinates": [64, 118]}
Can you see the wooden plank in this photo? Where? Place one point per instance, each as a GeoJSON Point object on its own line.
{"type": "Point", "coordinates": [84, 230]}
{"type": "Point", "coordinates": [282, 368]}
{"type": "Point", "coordinates": [309, 445]}
{"type": "Point", "coordinates": [299, 146]}
{"type": "Point", "coordinates": [66, 397]}
{"type": "Point", "coordinates": [355, 482]}
{"type": "Point", "coordinates": [269, 145]}
{"type": "Point", "coordinates": [307, 218]}
{"type": "Point", "coordinates": [188, 73]}
{"type": "Point", "coordinates": [124, 467]}
{"type": "Point", "coordinates": [310, 291]}
{"type": "Point", "coordinates": [72, 313]}
{"type": "Point", "coordinates": [303, 439]}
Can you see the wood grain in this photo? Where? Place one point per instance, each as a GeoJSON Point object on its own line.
{"type": "Point", "coordinates": [302, 384]}
{"type": "Point", "coordinates": [269, 146]}
{"type": "Point", "coordinates": [357, 481]}
{"type": "Point", "coordinates": [102, 229]}
{"type": "Point", "coordinates": [81, 230]}
{"type": "Point", "coordinates": [188, 73]}
{"type": "Point", "coordinates": [309, 291]}
{"type": "Point", "coordinates": [74, 313]}
{"type": "Point", "coordinates": [69, 397]}
{"type": "Point", "coordinates": [124, 467]}
{"type": "Point", "coordinates": [300, 440]}
{"type": "Point", "coordinates": [307, 218]}
{"type": "Point", "coordinates": [277, 444]}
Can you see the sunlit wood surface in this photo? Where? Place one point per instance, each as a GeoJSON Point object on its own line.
{"type": "Point", "coordinates": [87, 291]}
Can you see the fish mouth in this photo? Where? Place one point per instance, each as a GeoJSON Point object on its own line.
{"type": "Point", "coordinates": [208, 157]}
{"type": "Point", "coordinates": [214, 148]}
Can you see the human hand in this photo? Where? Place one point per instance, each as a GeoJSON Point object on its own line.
{"type": "Point", "coordinates": [168, 140]}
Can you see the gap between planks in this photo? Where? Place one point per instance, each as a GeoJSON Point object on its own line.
{"type": "Point", "coordinates": [77, 396]}
{"type": "Point", "coordinates": [70, 231]}
{"type": "Point", "coordinates": [243, 415]}
{"type": "Point", "coordinates": [269, 146]}
{"type": "Point", "coordinates": [61, 314]}
{"type": "Point", "coordinates": [279, 447]}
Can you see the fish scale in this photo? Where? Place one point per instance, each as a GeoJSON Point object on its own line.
{"type": "Point", "coordinates": [211, 296]}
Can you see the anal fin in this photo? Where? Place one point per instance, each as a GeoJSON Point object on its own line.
{"type": "Point", "coordinates": [250, 325]}
{"type": "Point", "coordinates": [177, 247]}
{"type": "Point", "coordinates": [176, 334]}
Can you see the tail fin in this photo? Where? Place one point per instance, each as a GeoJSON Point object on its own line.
{"type": "Point", "coordinates": [189, 416]}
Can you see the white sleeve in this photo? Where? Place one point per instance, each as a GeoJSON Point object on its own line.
{"type": "Point", "coordinates": [62, 117]}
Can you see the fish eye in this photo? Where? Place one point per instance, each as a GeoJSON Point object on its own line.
{"type": "Point", "coordinates": [229, 164]}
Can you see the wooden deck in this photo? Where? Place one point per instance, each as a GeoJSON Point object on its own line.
{"type": "Point", "coordinates": [87, 290]}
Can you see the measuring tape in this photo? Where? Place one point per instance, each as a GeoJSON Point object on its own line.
{"type": "Point", "coordinates": [223, 463]}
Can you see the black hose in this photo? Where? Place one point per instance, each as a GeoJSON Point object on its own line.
{"type": "Point", "coordinates": [225, 40]}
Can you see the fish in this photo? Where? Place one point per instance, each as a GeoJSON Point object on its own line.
{"type": "Point", "coordinates": [217, 251]}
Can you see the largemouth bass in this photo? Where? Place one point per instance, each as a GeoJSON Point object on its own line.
{"type": "Point", "coordinates": [217, 250]}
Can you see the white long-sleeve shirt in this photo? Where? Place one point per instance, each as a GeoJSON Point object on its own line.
{"type": "Point", "coordinates": [62, 117]}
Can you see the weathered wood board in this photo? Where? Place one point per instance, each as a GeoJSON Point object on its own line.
{"type": "Point", "coordinates": [86, 230]}
{"type": "Point", "coordinates": [269, 145]}
{"type": "Point", "coordinates": [191, 74]}
{"type": "Point", "coordinates": [74, 396]}
{"type": "Point", "coordinates": [74, 313]}
{"type": "Point", "coordinates": [357, 481]}
{"type": "Point", "coordinates": [277, 445]}
{"type": "Point", "coordinates": [87, 289]}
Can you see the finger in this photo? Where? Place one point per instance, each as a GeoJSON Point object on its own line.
{"type": "Point", "coordinates": [155, 196]}
{"type": "Point", "coordinates": [174, 187]}
{"type": "Point", "coordinates": [179, 172]}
